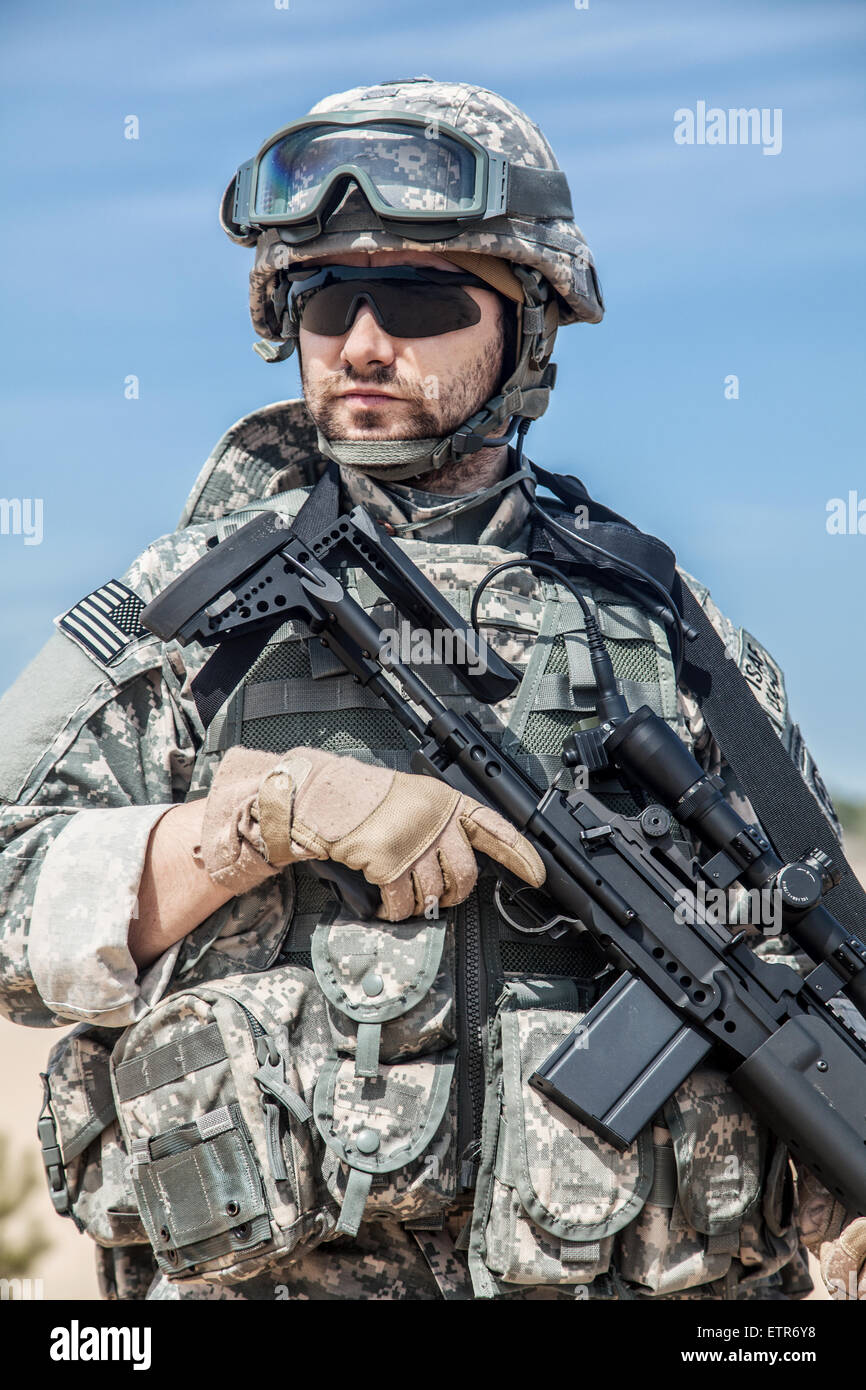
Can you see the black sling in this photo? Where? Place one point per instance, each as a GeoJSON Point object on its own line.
{"type": "Point", "coordinates": [787, 809]}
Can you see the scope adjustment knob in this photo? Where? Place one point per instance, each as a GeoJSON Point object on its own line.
{"type": "Point", "coordinates": [799, 886]}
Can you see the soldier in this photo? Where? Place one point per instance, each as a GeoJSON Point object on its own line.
{"type": "Point", "coordinates": [156, 872]}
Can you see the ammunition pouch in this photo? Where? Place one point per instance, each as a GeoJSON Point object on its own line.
{"type": "Point", "coordinates": [681, 1208]}
{"type": "Point", "coordinates": [213, 1090]}
{"type": "Point", "coordinates": [384, 1104]}
{"type": "Point", "coordinates": [260, 1114]}
{"type": "Point", "coordinates": [86, 1162]}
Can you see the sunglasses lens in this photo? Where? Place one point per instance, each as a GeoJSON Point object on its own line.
{"type": "Point", "coordinates": [405, 310]}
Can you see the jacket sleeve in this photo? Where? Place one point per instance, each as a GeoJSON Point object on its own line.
{"type": "Point", "coordinates": [93, 751]}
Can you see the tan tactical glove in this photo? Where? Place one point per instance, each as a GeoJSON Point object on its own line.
{"type": "Point", "coordinates": [232, 849]}
{"type": "Point", "coordinates": [412, 836]}
{"type": "Point", "coordinates": [843, 1262]}
{"type": "Point", "coordinates": [839, 1248]}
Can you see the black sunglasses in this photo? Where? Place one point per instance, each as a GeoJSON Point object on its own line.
{"type": "Point", "coordinates": [408, 302]}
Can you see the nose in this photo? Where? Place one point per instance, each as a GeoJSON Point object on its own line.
{"type": "Point", "coordinates": [367, 344]}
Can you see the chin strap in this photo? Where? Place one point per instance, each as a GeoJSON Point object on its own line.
{"type": "Point", "coordinates": [394, 460]}
{"type": "Point", "coordinates": [389, 460]}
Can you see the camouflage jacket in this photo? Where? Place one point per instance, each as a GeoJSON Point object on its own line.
{"type": "Point", "coordinates": [100, 736]}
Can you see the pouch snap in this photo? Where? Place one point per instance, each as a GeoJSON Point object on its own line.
{"type": "Point", "coordinates": [368, 1141]}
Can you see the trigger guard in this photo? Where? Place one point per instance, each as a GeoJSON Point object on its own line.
{"type": "Point", "coordinates": [556, 925]}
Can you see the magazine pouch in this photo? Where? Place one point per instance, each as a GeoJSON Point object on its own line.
{"type": "Point", "coordinates": [551, 1195]}
{"type": "Point", "coordinates": [384, 1106]}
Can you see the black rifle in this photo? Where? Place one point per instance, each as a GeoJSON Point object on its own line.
{"type": "Point", "coordinates": [686, 988]}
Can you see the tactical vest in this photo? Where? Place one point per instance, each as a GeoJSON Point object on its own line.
{"type": "Point", "coordinates": [687, 1206]}
{"type": "Point", "coordinates": [404, 1047]}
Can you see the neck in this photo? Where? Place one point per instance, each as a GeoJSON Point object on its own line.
{"type": "Point", "coordinates": [466, 475]}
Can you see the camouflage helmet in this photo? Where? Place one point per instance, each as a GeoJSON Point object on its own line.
{"type": "Point", "coordinates": [549, 256]}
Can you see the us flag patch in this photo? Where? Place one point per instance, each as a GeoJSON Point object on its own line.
{"type": "Point", "coordinates": [106, 621]}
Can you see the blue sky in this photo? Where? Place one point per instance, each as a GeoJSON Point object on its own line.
{"type": "Point", "coordinates": [713, 260]}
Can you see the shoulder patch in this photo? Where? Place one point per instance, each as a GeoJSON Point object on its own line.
{"type": "Point", "coordinates": [105, 622]}
{"type": "Point", "coordinates": [766, 679]}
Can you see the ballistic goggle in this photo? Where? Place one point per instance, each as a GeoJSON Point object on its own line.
{"type": "Point", "coordinates": [422, 178]}
{"type": "Point", "coordinates": [407, 301]}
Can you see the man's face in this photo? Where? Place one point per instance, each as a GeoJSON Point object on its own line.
{"type": "Point", "coordinates": [366, 384]}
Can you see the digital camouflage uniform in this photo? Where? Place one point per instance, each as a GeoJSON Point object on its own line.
{"type": "Point", "coordinates": [100, 736]}
{"type": "Point", "coordinates": [95, 751]}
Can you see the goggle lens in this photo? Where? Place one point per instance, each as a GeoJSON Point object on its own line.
{"type": "Point", "coordinates": [408, 171]}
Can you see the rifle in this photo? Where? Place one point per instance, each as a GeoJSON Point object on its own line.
{"type": "Point", "coordinates": [685, 989]}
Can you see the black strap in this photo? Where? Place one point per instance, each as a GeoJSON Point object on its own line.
{"type": "Point", "coordinates": [322, 506]}
{"type": "Point", "coordinates": [786, 808]}
{"type": "Point", "coordinates": [232, 660]}
{"type": "Point", "coordinates": [605, 528]}
{"type": "Point", "coordinates": [785, 805]}
{"type": "Point", "coordinates": [538, 193]}
{"type": "Point", "coordinates": [218, 677]}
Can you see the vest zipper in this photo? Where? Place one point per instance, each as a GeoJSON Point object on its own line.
{"type": "Point", "coordinates": [472, 1012]}
{"type": "Point", "coordinates": [256, 1029]}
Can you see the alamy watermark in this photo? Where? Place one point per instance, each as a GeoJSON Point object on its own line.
{"type": "Point", "coordinates": [443, 647]}
{"type": "Point", "coordinates": [22, 516]}
{"type": "Point", "coordinates": [846, 516]}
{"type": "Point", "coordinates": [737, 126]}
{"type": "Point", "coordinates": [755, 907]}
{"type": "Point", "coordinates": [77, 1343]}
{"type": "Point", "coordinates": [21, 1290]}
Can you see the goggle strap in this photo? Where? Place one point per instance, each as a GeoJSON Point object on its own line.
{"type": "Point", "coordinates": [538, 193]}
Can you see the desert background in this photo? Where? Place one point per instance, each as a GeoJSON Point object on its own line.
{"type": "Point", "coordinates": [61, 1257]}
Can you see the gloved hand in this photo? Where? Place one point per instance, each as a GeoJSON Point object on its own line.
{"type": "Point", "coordinates": [412, 836]}
{"type": "Point", "coordinates": [232, 849]}
{"type": "Point", "coordinates": [839, 1248]}
{"type": "Point", "coordinates": [843, 1262]}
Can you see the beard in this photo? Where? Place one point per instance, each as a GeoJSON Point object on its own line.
{"type": "Point", "coordinates": [430, 409]}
